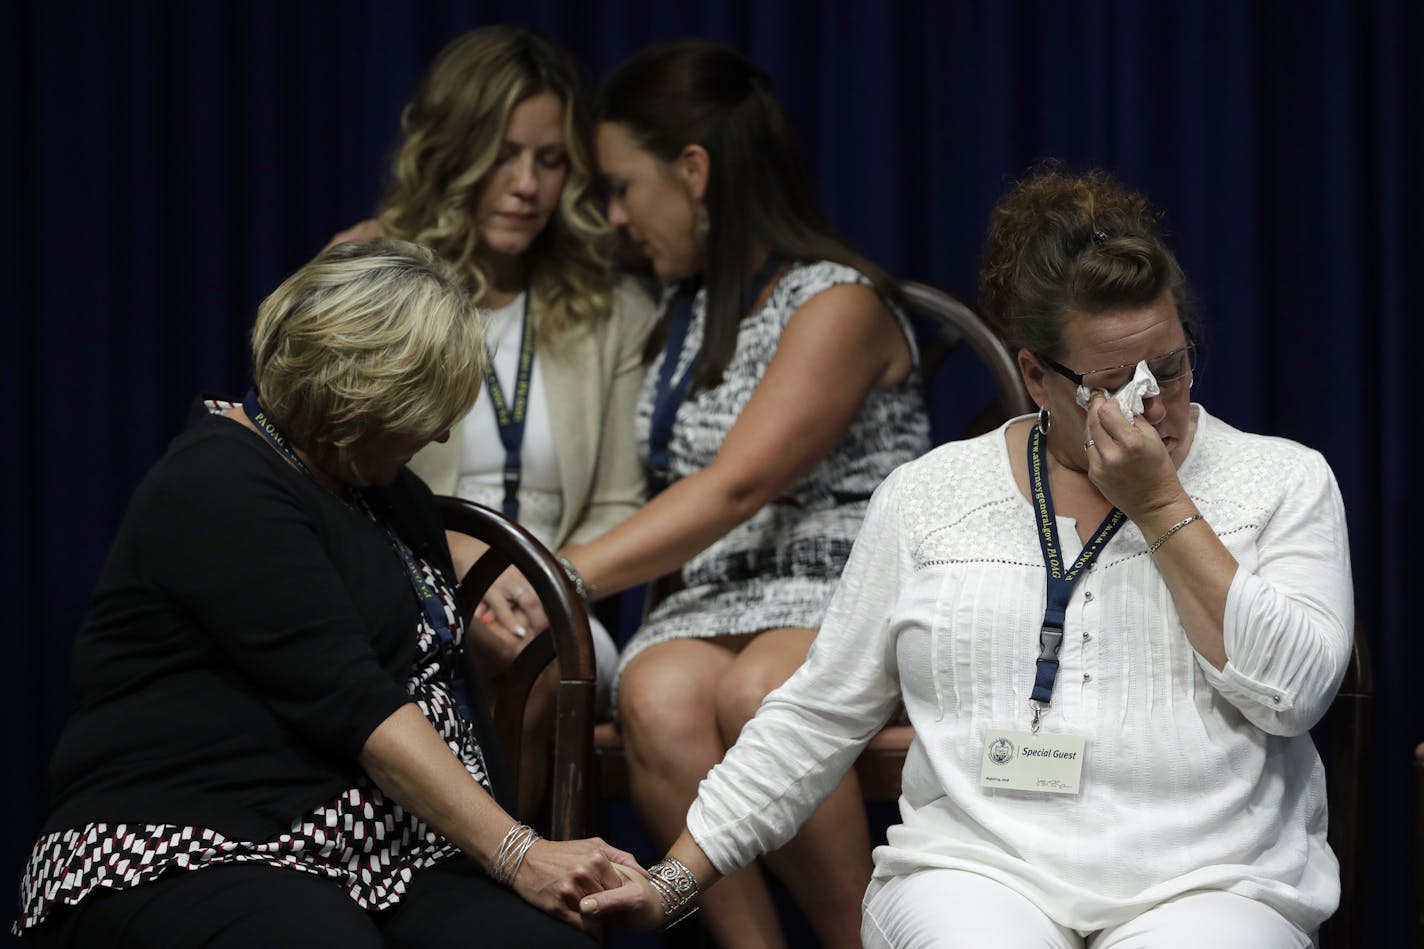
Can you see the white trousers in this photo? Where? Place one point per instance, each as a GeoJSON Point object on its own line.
{"type": "Point", "coordinates": [956, 909]}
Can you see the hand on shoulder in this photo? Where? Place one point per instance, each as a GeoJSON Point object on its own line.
{"type": "Point", "coordinates": [367, 230]}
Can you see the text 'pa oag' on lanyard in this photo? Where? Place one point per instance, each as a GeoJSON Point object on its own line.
{"type": "Point", "coordinates": [1060, 582]}
{"type": "Point", "coordinates": [431, 606]}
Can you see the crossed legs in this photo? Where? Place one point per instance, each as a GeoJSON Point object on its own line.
{"type": "Point", "coordinates": [682, 705]}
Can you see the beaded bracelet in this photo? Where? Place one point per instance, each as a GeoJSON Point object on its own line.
{"type": "Point", "coordinates": [677, 887]}
{"type": "Point", "coordinates": [1152, 548]}
{"type": "Point", "coordinates": [509, 856]}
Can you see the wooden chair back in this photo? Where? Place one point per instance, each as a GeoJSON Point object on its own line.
{"type": "Point", "coordinates": [567, 642]}
{"type": "Point", "coordinates": [1350, 719]}
{"type": "Point", "coordinates": [958, 325]}
{"type": "Point", "coordinates": [1418, 848]}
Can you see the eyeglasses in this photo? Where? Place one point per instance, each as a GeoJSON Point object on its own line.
{"type": "Point", "coordinates": [1168, 368]}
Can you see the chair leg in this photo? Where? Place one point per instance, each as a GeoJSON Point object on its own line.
{"type": "Point", "coordinates": [1419, 846]}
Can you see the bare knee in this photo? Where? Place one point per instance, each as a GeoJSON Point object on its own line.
{"type": "Point", "coordinates": [740, 693]}
{"type": "Point", "coordinates": [667, 712]}
{"type": "Point", "coordinates": [766, 662]}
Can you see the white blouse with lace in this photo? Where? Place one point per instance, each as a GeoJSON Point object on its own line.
{"type": "Point", "coordinates": [1193, 778]}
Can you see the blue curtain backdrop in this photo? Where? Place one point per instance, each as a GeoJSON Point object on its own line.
{"type": "Point", "coordinates": [169, 163]}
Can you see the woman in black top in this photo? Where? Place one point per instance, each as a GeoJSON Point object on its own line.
{"type": "Point", "coordinates": [266, 684]}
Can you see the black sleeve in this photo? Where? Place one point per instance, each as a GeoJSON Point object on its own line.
{"type": "Point", "coordinates": [247, 546]}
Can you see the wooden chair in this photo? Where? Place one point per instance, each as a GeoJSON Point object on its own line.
{"type": "Point", "coordinates": [1419, 848]}
{"type": "Point", "coordinates": [1349, 765]}
{"type": "Point", "coordinates": [958, 325]}
{"type": "Point", "coordinates": [567, 642]}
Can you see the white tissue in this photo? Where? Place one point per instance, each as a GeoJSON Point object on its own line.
{"type": "Point", "coordinates": [1129, 397]}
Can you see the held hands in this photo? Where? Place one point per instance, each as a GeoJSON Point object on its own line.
{"type": "Point", "coordinates": [511, 610]}
{"type": "Point", "coordinates": [634, 904]}
{"type": "Point", "coordinates": [1128, 462]}
{"type": "Point", "coordinates": [559, 876]}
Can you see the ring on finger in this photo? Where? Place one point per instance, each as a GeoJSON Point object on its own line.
{"type": "Point", "coordinates": [521, 632]}
{"type": "Point", "coordinates": [516, 594]}
{"type": "Point", "coordinates": [1089, 444]}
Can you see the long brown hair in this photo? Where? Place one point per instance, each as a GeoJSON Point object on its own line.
{"type": "Point", "coordinates": [758, 199]}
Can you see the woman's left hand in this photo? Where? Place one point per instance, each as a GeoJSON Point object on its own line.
{"type": "Point", "coordinates": [1128, 461]}
{"type": "Point", "coordinates": [556, 875]}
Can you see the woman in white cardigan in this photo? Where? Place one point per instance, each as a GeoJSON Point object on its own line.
{"type": "Point", "coordinates": [1111, 626]}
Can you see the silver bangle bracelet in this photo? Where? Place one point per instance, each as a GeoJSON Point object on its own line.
{"type": "Point", "coordinates": [509, 856]}
{"type": "Point", "coordinates": [676, 886]}
{"type": "Point", "coordinates": [1152, 548]}
{"type": "Point", "coordinates": [576, 578]}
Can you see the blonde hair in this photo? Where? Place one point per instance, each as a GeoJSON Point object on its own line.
{"type": "Point", "coordinates": [453, 130]}
{"type": "Point", "coordinates": [365, 340]}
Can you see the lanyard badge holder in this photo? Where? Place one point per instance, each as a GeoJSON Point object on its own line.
{"type": "Point", "coordinates": [431, 606]}
{"type": "Point", "coordinates": [671, 388]}
{"type": "Point", "coordinates": [509, 417]}
{"type": "Point", "coordinates": [1036, 761]}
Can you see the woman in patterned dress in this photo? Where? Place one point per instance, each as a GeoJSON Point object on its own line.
{"type": "Point", "coordinates": [271, 742]}
{"type": "Point", "coordinates": [783, 389]}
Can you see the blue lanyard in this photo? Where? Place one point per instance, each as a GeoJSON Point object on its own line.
{"type": "Point", "coordinates": [259, 417]}
{"type": "Point", "coordinates": [671, 392]}
{"type": "Point", "coordinates": [511, 419]}
{"type": "Point", "coordinates": [1059, 582]}
{"type": "Point", "coordinates": [430, 604]}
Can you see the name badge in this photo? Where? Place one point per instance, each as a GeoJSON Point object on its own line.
{"type": "Point", "coordinates": [1021, 761]}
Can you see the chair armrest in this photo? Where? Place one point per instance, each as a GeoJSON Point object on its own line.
{"type": "Point", "coordinates": [567, 642]}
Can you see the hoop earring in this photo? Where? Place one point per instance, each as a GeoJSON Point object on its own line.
{"type": "Point", "coordinates": [1045, 419]}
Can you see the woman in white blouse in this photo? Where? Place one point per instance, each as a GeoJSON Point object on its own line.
{"type": "Point", "coordinates": [1107, 754]}
{"type": "Point", "coordinates": [494, 172]}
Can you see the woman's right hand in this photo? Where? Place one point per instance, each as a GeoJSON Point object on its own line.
{"type": "Point", "coordinates": [493, 643]}
{"type": "Point", "coordinates": [511, 603]}
{"type": "Point", "coordinates": [634, 904]}
{"type": "Point", "coordinates": [367, 230]}
{"type": "Point", "coordinates": [556, 875]}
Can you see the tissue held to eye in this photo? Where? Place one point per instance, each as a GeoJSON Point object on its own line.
{"type": "Point", "coordinates": [1149, 377]}
{"type": "Point", "coordinates": [1129, 398]}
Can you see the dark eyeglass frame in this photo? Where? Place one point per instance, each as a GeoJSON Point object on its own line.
{"type": "Point", "coordinates": [1077, 377]}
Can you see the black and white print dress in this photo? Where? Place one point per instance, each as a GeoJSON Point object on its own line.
{"type": "Point", "coordinates": [362, 840]}
{"type": "Point", "coordinates": [780, 567]}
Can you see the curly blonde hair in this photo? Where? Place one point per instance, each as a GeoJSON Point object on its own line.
{"type": "Point", "coordinates": [367, 339]}
{"type": "Point", "coordinates": [453, 129]}
{"type": "Point", "coordinates": [1061, 242]}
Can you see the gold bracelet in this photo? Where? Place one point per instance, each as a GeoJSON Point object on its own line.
{"type": "Point", "coordinates": [1152, 548]}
